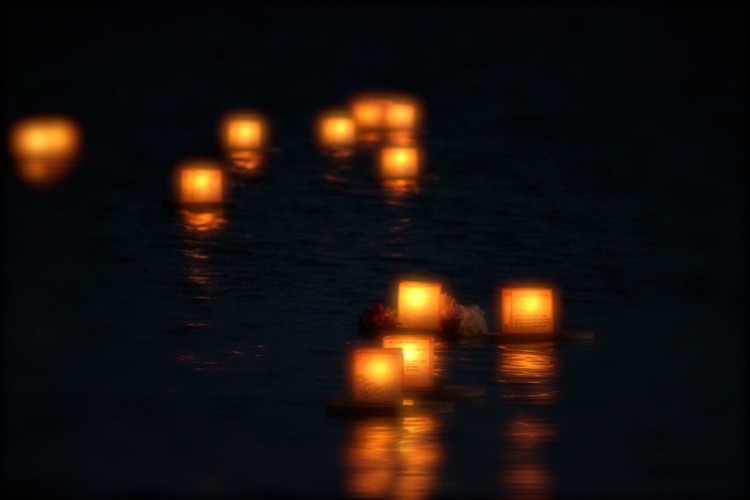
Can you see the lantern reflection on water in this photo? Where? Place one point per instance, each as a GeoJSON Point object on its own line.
{"type": "Point", "coordinates": [418, 358]}
{"type": "Point", "coordinates": [524, 471]}
{"type": "Point", "coordinates": [376, 376]}
{"type": "Point", "coordinates": [244, 136]}
{"type": "Point", "coordinates": [44, 148]}
{"type": "Point", "coordinates": [203, 222]}
{"type": "Point", "coordinates": [528, 372]}
{"type": "Point", "coordinates": [419, 305]}
{"type": "Point", "coordinates": [387, 458]}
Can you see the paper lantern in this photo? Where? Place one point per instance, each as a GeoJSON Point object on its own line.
{"type": "Point", "coordinates": [369, 112]}
{"type": "Point", "coordinates": [528, 310]}
{"type": "Point", "coordinates": [44, 148]}
{"type": "Point", "coordinates": [377, 375]}
{"type": "Point", "coordinates": [418, 358]}
{"type": "Point", "coordinates": [200, 183]}
{"type": "Point", "coordinates": [419, 305]}
{"type": "Point", "coordinates": [336, 133]}
{"type": "Point", "coordinates": [403, 115]}
{"type": "Point", "coordinates": [400, 162]}
{"type": "Point", "coordinates": [244, 136]}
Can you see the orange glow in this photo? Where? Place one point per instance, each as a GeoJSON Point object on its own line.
{"type": "Point", "coordinates": [44, 148]}
{"type": "Point", "coordinates": [369, 110]}
{"type": "Point", "coordinates": [419, 305]}
{"type": "Point", "coordinates": [400, 162]}
{"type": "Point", "coordinates": [200, 182]}
{"type": "Point", "coordinates": [527, 310]}
{"type": "Point", "coordinates": [244, 131]}
{"type": "Point", "coordinates": [528, 372]}
{"type": "Point", "coordinates": [203, 222]}
{"type": "Point", "coordinates": [336, 129]}
{"type": "Point", "coordinates": [403, 116]}
{"type": "Point", "coordinates": [524, 473]}
{"type": "Point", "coordinates": [418, 358]}
{"type": "Point", "coordinates": [386, 458]}
{"type": "Point", "coordinates": [377, 375]}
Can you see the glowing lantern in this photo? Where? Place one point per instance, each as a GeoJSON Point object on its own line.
{"type": "Point", "coordinates": [336, 133]}
{"type": "Point", "coordinates": [403, 115]}
{"type": "Point", "coordinates": [200, 183]}
{"type": "Point", "coordinates": [418, 359]}
{"type": "Point", "coordinates": [377, 375]}
{"type": "Point", "coordinates": [528, 310]}
{"type": "Point", "coordinates": [419, 305]}
{"type": "Point", "coordinates": [400, 162]}
{"type": "Point", "coordinates": [244, 136]}
{"type": "Point", "coordinates": [369, 112]}
{"type": "Point", "coordinates": [44, 148]}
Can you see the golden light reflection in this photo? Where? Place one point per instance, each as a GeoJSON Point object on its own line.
{"type": "Point", "coordinates": [393, 458]}
{"type": "Point", "coordinates": [419, 305]}
{"type": "Point", "coordinates": [523, 472]}
{"type": "Point", "coordinates": [44, 149]}
{"type": "Point", "coordinates": [204, 222]}
{"type": "Point", "coordinates": [528, 372]}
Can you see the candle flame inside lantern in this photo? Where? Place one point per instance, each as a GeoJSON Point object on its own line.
{"type": "Point", "coordinates": [418, 358]}
{"type": "Point", "coordinates": [377, 376]}
{"type": "Point", "coordinates": [527, 310]}
{"type": "Point", "coordinates": [399, 162]}
{"type": "Point", "coordinates": [419, 305]}
{"type": "Point", "coordinates": [201, 182]}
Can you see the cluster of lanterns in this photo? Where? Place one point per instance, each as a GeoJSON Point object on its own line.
{"type": "Point", "coordinates": [402, 365]}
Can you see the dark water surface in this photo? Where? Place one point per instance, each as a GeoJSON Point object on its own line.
{"type": "Point", "coordinates": [600, 147]}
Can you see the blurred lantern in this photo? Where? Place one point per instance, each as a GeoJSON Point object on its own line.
{"type": "Point", "coordinates": [377, 375]}
{"type": "Point", "coordinates": [200, 183]}
{"type": "Point", "coordinates": [44, 148]}
{"type": "Point", "coordinates": [418, 358]}
{"type": "Point", "coordinates": [336, 133]}
{"type": "Point", "coordinates": [400, 162]}
{"type": "Point", "coordinates": [527, 310]}
{"type": "Point", "coordinates": [244, 136]}
{"type": "Point", "coordinates": [369, 112]}
{"type": "Point", "coordinates": [403, 115]}
{"type": "Point", "coordinates": [419, 305]}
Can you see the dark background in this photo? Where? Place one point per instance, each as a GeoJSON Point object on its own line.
{"type": "Point", "coordinates": [600, 146]}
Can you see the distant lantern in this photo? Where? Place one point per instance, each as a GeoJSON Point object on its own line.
{"type": "Point", "coordinates": [44, 148]}
{"type": "Point", "coordinates": [369, 112]}
{"type": "Point", "coordinates": [419, 305]}
{"type": "Point", "coordinates": [528, 310]}
{"type": "Point", "coordinates": [400, 162]}
{"type": "Point", "coordinates": [336, 133]}
{"type": "Point", "coordinates": [244, 136]}
{"type": "Point", "coordinates": [403, 116]}
{"type": "Point", "coordinates": [418, 358]}
{"type": "Point", "coordinates": [377, 375]}
{"type": "Point", "coordinates": [200, 183]}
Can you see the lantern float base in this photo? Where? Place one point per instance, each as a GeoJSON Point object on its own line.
{"type": "Point", "coordinates": [447, 393]}
{"type": "Point", "coordinates": [521, 338]}
{"type": "Point", "coordinates": [350, 409]}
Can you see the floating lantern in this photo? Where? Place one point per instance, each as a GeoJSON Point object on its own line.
{"type": "Point", "coordinates": [418, 358]}
{"type": "Point", "coordinates": [377, 376]}
{"type": "Point", "coordinates": [400, 162]}
{"type": "Point", "coordinates": [369, 112]}
{"type": "Point", "coordinates": [528, 310]}
{"type": "Point", "coordinates": [244, 136]}
{"type": "Point", "coordinates": [44, 148]}
{"type": "Point", "coordinates": [419, 305]}
{"type": "Point", "coordinates": [200, 183]}
{"type": "Point", "coordinates": [403, 115]}
{"type": "Point", "coordinates": [336, 133]}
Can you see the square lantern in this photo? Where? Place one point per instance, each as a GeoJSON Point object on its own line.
{"type": "Point", "coordinates": [419, 305]}
{"type": "Point", "coordinates": [377, 375]}
{"type": "Point", "coordinates": [403, 116]}
{"type": "Point", "coordinates": [528, 310]}
{"type": "Point", "coordinates": [336, 129]}
{"type": "Point", "coordinates": [418, 358]}
{"type": "Point", "coordinates": [244, 131]}
{"type": "Point", "coordinates": [400, 162]}
{"type": "Point", "coordinates": [200, 182]}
